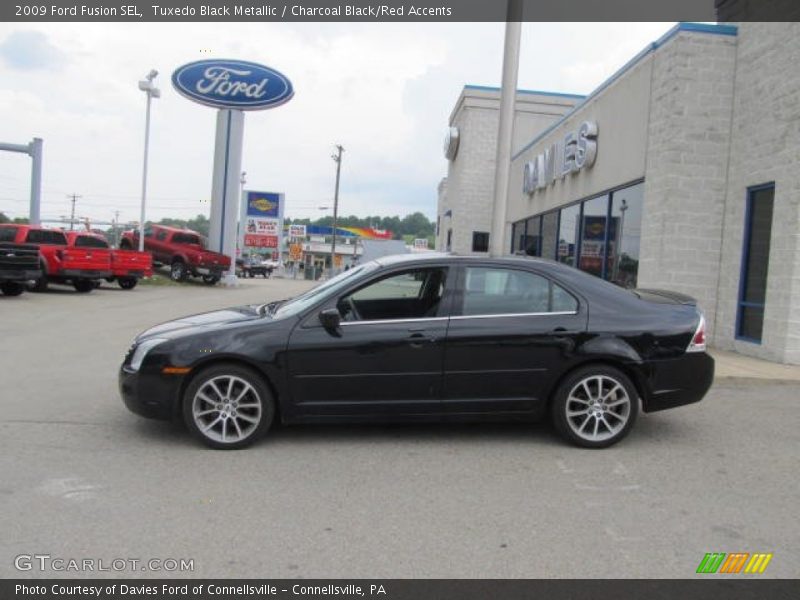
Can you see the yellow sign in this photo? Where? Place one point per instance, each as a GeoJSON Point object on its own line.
{"type": "Point", "coordinates": [296, 251]}
{"type": "Point", "coordinates": [263, 204]}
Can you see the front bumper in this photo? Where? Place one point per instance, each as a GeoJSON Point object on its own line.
{"type": "Point", "coordinates": [150, 395]}
{"type": "Point", "coordinates": [22, 275]}
{"type": "Point", "coordinates": [84, 274]}
{"type": "Point", "coordinates": [678, 381]}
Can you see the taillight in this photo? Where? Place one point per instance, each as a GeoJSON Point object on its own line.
{"type": "Point", "coordinates": [698, 343]}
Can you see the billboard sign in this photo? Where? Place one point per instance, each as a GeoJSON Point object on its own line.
{"type": "Point", "coordinates": [237, 84]}
{"type": "Point", "coordinates": [297, 231]}
{"type": "Point", "coordinates": [263, 219]}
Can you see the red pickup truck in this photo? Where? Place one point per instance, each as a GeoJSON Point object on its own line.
{"type": "Point", "coordinates": [59, 263]}
{"type": "Point", "coordinates": [182, 250]}
{"type": "Point", "coordinates": [127, 266]}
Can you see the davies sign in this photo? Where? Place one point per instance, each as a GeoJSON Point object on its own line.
{"type": "Point", "coordinates": [234, 84]}
{"type": "Point", "coordinates": [578, 150]}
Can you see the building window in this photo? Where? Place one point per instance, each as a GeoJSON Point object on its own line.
{"type": "Point", "coordinates": [517, 237]}
{"type": "Point", "coordinates": [549, 235]}
{"type": "Point", "coordinates": [594, 229]}
{"type": "Point", "coordinates": [567, 239]}
{"type": "Point", "coordinates": [625, 236]}
{"type": "Point", "coordinates": [480, 241]}
{"type": "Point", "coordinates": [533, 237]}
{"type": "Point", "coordinates": [449, 246]}
{"type": "Point", "coordinates": [755, 263]}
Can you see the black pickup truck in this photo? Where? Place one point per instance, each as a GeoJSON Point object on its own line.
{"type": "Point", "coordinates": [19, 264]}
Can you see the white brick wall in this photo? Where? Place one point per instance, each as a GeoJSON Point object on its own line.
{"type": "Point", "coordinates": [764, 148]}
{"type": "Point", "coordinates": [687, 157]}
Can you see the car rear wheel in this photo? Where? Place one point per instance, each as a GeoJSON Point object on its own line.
{"type": "Point", "coordinates": [210, 279]}
{"type": "Point", "coordinates": [595, 407]}
{"type": "Point", "coordinates": [228, 407]}
{"type": "Point", "coordinates": [83, 285]}
{"type": "Point", "coordinates": [11, 288]}
{"type": "Point", "coordinates": [177, 271]}
{"type": "Point", "coordinates": [127, 283]}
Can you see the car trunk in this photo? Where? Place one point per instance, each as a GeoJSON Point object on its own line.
{"type": "Point", "coordinates": [665, 297]}
{"type": "Point", "coordinates": [87, 259]}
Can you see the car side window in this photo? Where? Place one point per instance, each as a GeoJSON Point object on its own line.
{"type": "Point", "coordinates": [148, 231]}
{"type": "Point", "coordinates": [412, 294]}
{"type": "Point", "coordinates": [497, 291]}
{"type": "Point", "coordinates": [88, 241]}
{"type": "Point", "coordinates": [161, 235]}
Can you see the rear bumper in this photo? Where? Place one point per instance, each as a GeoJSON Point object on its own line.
{"type": "Point", "coordinates": [678, 381]}
{"type": "Point", "coordinates": [84, 274]}
{"type": "Point", "coordinates": [130, 273]}
{"type": "Point", "coordinates": [19, 275]}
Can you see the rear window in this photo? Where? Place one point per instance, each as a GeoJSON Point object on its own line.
{"type": "Point", "coordinates": [8, 234]}
{"type": "Point", "coordinates": [43, 236]}
{"type": "Point", "coordinates": [88, 241]}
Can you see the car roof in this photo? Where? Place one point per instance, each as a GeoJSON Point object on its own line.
{"type": "Point", "coordinates": [176, 229]}
{"type": "Point", "coordinates": [396, 259]}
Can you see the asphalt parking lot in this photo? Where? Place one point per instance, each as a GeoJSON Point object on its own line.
{"type": "Point", "coordinates": [82, 477]}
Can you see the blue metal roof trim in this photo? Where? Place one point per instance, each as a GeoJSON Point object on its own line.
{"type": "Point", "coordinates": [731, 30]}
{"type": "Point", "coordinates": [489, 88]}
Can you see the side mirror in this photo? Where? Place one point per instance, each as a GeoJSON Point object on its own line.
{"type": "Point", "coordinates": [330, 319]}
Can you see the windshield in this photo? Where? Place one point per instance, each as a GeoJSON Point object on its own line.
{"type": "Point", "coordinates": [299, 304]}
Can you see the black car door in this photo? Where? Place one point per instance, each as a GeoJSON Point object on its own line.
{"type": "Point", "coordinates": [385, 358]}
{"type": "Point", "coordinates": [511, 331]}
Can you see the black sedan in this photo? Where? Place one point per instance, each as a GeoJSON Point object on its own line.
{"type": "Point", "coordinates": [439, 338]}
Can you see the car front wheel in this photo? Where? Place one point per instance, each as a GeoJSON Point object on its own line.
{"type": "Point", "coordinates": [84, 285]}
{"type": "Point", "coordinates": [12, 288]}
{"type": "Point", "coordinates": [595, 407]}
{"type": "Point", "coordinates": [177, 271]}
{"type": "Point", "coordinates": [228, 407]}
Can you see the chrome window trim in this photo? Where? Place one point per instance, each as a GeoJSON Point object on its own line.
{"type": "Point", "coordinates": [506, 315]}
{"type": "Point", "coordinates": [385, 321]}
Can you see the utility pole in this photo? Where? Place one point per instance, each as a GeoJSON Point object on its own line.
{"type": "Point", "coordinates": [508, 96]}
{"type": "Point", "coordinates": [337, 158]}
{"type": "Point", "coordinates": [74, 198]}
{"type": "Point", "coordinates": [116, 221]}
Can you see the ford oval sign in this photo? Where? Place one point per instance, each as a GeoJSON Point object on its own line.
{"type": "Point", "coordinates": [232, 84]}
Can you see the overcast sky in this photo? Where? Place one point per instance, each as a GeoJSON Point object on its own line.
{"type": "Point", "coordinates": [384, 91]}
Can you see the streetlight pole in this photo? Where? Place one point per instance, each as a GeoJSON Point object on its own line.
{"type": "Point", "coordinates": [337, 158]}
{"type": "Point", "coordinates": [508, 96]}
{"type": "Point", "coordinates": [149, 88]}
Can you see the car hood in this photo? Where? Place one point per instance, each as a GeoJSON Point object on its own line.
{"type": "Point", "coordinates": [200, 321]}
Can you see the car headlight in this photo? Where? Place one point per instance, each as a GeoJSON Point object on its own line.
{"type": "Point", "coordinates": [141, 351]}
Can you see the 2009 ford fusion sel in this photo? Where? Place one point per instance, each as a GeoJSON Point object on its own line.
{"type": "Point", "coordinates": [439, 338]}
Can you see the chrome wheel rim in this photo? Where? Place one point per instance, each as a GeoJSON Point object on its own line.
{"type": "Point", "coordinates": [226, 409]}
{"type": "Point", "coordinates": [598, 407]}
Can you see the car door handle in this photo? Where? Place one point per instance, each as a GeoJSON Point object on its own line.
{"type": "Point", "coordinates": [418, 339]}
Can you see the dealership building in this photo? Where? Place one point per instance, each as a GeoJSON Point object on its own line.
{"type": "Point", "coordinates": [681, 171]}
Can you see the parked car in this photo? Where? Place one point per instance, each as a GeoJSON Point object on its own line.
{"type": "Point", "coordinates": [438, 337]}
{"type": "Point", "coordinates": [250, 266]}
{"type": "Point", "coordinates": [59, 263]}
{"type": "Point", "coordinates": [127, 266]}
{"type": "Point", "coordinates": [182, 249]}
{"type": "Point", "coordinates": [19, 264]}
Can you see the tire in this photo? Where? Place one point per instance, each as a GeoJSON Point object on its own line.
{"type": "Point", "coordinates": [213, 414]}
{"type": "Point", "coordinates": [83, 285]}
{"type": "Point", "coordinates": [210, 279]}
{"type": "Point", "coordinates": [177, 272]}
{"type": "Point", "coordinates": [127, 283]}
{"type": "Point", "coordinates": [40, 285]}
{"type": "Point", "coordinates": [595, 406]}
{"type": "Point", "coordinates": [12, 288]}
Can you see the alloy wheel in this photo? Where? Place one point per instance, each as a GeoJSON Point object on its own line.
{"type": "Point", "coordinates": [598, 408]}
{"type": "Point", "coordinates": [227, 409]}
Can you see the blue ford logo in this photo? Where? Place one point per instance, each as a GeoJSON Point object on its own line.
{"type": "Point", "coordinates": [232, 84]}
